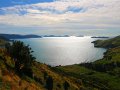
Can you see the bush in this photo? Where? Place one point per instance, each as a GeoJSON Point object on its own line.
{"type": "Point", "coordinates": [66, 85]}
{"type": "Point", "coordinates": [49, 83]}
{"type": "Point", "coordinates": [22, 55]}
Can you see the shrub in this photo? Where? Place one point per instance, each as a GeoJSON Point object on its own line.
{"type": "Point", "coordinates": [49, 83]}
{"type": "Point", "coordinates": [22, 55]}
{"type": "Point", "coordinates": [66, 85]}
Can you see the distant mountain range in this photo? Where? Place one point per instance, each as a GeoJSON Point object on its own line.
{"type": "Point", "coordinates": [3, 38]}
{"type": "Point", "coordinates": [99, 37]}
{"type": "Point", "coordinates": [18, 36]}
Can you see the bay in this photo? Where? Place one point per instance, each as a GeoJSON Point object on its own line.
{"type": "Point", "coordinates": [64, 50]}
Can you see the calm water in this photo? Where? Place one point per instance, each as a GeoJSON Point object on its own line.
{"type": "Point", "coordinates": [64, 50]}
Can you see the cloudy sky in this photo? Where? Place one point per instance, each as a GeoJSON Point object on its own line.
{"type": "Point", "coordinates": [60, 16]}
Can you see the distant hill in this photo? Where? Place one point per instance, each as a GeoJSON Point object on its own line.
{"type": "Point", "coordinates": [41, 78]}
{"type": "Point", "coordinates": [18, 36]}
{"type": "Point", "coordinates": [3, 38]}
{"type": "Point", "coordinates": [3, 41]}
{"type": "Point", "coordinates": [110, 43]}
{"type": "Point", "coordinates": [103, 74]}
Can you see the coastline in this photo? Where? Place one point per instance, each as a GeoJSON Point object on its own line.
{"type": "Point", "coordinates": [86, 76]}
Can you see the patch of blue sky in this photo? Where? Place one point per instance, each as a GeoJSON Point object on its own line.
{"type": "Point", "coordinates": [2, 12]}
{"type": "Point", "coordinates": [76, 9]}
{"type": "Point", "coordinates": [68, 9]}
{"type": "Point", "coordinates": [7, 3]}
{"type": "Point", "coordinates": [23, 12]}
{"type": "Point", "coordinates": [20, 12]}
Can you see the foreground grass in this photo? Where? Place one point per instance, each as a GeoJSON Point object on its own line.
{"type": "Point", "coordinates": [11, 80]}
{"type": "Point", "coordinates": [91, 78]}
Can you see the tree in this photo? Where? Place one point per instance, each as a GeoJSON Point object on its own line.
{"type": "Point", "coordinates": [22, 55]}
{"type": "Point", "coordinates": [8, 47]}
{"type": "Point", "coordinates": [49, 83]}
{"type": "Point", "coordinates": [66, 85]}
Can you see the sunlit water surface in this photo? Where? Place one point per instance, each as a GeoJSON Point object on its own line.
{"type": "Point", "coordinates": [64, 50]}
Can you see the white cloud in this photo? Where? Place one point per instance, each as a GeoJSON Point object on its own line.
{"type": "Point", "coordinates": [98, 14]}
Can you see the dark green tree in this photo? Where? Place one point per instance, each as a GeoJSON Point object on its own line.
{"type": "Point", "coordinates": [8, 47]}
{"type": "Point", "coordinates": [45, 75]}
{"type": "Point", "coordinates": [66, 85]}
{"type": "Point", "coordinates": [22, 55]}
{"type": "Point", "coordinates": [49, 83]}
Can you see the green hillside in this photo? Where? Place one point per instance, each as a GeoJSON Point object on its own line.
{"type": "Point", "coordinates": [16, 74]}
{"type": "Point", "coordinates": [11, 80]}
{"type": "Point", "coordinates": [110, 43]}
{"type": "Point", "coordinates": [103, 74]}
{"type": "Point", "coordinates": [3, 40]}
{"type": "Point", "coordinates": [37, 76]}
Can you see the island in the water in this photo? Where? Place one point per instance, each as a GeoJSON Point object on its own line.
{"type": "Point", "coordinates": [20, 71]}
{"type": "Point", "coordinates": [99, 37]}
{"type": "Point", "coordinates": [18, 36]}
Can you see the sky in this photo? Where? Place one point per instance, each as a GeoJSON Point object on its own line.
{"type": "Point", "coordinates": [75, 17]}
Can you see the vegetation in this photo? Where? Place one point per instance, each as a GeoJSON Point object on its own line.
{"type": "Point", "coordinates": [3, 41]}
{"type": "Point", "coordinates": [66, 85]}
{"type": "Point", "coordinates": [49, 83]}
{"type": "Point", "coordinates": [22, 56]}
{"type": "Point", "coordinates": [20, 71]}
{"type": "Point", "coordinates": [110, 43]}
{"type": "Point", "coordinates": [103, 74]}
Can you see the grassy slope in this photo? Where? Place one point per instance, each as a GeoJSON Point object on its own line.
{"type": "Point", "coordinates": [110, 43]}
{"type": "Point", "coordinates": [87, 76]}
{"type": "Point", "coordinates": [102, 74]}
{"type": "Point", "coordinates": [9, 80]}
{"type": "Point", "coordinates": [3, 40]}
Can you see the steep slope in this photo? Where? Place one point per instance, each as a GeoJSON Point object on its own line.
{"type": "Point", "coordinates": [11, 80]}
{"type": "Point", "coordinates": [3, 40]}
{"type": "Point", "coordinates": [103, 74]}
{"type": "Point", "coordinates": [110, 43]}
